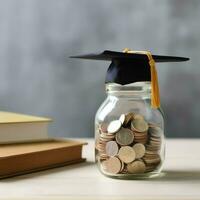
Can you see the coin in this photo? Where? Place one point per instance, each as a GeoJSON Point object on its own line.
{"type": "Point", "coordinates": [112, 165]}
{"type": "Point", "coordinates": [140, 137]}
{"type": "Point", "coordinates": [124, 136]}
{"type": "Point", "coordinates": [128, 118]}
{"type": "Point", "coordinates": [151, 156]}
{"type": "Point", "coordinates": [114, 126]}
{"type": "Point", "coordinates": [139, 150]}
{"type": "Point", "coordinates": [155, 131]}
{"type": "Point", "coordinates": [136, 167]}
{"type": "Point", "coordinates": [100, 146]}
{"type": "Point", "coordinates": [152, 148]}
{"type": "Point", "coordinates": [152, 159]}
{"type": "Point", "coordinates": [111, 148]}
{"type": "Point", "coordinates": [139, 125]}
{"type": "Point", "coordinates": [150, 152]}
{"type": "Point", "coordinates": [151, 124]}
{"type": "Point", "coordinates": [138, 116]}
{"type": "Point", "coordinates": [103, 127]}
{"type": "Point", "coordinates": [155, 139]}
{"type": "Point", "coordinates": [106, 137]}
{"type": "Point", "coordinates": [124, 171]}
{"type": "Point", "coordinates": [122, 167]}
{"type": "Point", "coordinates": [155, 143]}
{"type": "Point", "coordinates": [126, 154]}
{"type": "Point", "coordinates": [115, 149]}
{"type": "Point", "coordinates": [150, 168]}
{"type": "Point", "coordinates": [103, 156]}
{"type": "Point", "coordinates": [122, 118]}
{"type": "Point", "coordinates": [103, 164]}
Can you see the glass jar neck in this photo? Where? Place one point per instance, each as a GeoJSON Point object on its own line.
{"type": "Point", "coordinates": [138, 89]}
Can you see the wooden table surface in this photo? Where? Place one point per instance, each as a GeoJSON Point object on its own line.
{"type": "Point", "coordinates": [181, 179]}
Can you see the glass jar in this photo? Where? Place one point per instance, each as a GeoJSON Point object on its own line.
{"type": "Point", "coordinates": [129, 133]}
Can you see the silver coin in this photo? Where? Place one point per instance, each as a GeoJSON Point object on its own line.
{"type": "Point", "coordinates": [124, 136]}
{"type": "Point", "coordinates": [114, 126]}
{"type": "Point", "coordinates": [111, 148]}
{"type": "Point", "coordinates": [122, 118]}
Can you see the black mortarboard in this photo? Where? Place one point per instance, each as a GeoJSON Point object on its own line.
{"type": "Point", "coordinates": [133, 66]}
{"type": "Point", "coordinates": [128, 68]}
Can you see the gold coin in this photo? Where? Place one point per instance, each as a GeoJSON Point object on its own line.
{"type": "Point", "coordinates": [139, 150]}
{"type": "Point", "coordinates": [114, 126]}
{"type": "Point", "coordinates": [139, 125]}
{"type": "Point", "coordinates": [111, 148]}
{"type": "Point", "coordinates": [124, 136]}
{"type": "Point", "coordinates": [138, 116]}
{"type": "Point", "coordinates": [126, 154]}
{"type": "Point", "coordinates": [128, 118]}
{"type": "Point", "coordinates": [136, 167]}
{"type": "Point", "coordinates": [112, 165]}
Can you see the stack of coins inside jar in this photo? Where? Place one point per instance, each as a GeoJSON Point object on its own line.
{"type": "Point", "coordinates": [129, 145]}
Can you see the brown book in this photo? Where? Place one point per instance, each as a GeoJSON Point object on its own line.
{"type": "Point", "coordinates": [17, 159]}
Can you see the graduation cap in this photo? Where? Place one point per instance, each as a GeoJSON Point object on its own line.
{"type": "Point", "coordinates": [133, 66]}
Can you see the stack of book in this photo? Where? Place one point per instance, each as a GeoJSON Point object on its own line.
{"type": "Point", "coordinates": [25, 146]}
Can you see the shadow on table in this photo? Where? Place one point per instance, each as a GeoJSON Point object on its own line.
{"type": "Point", "coordinates": [182, 175]}
{"type": "Point", "coordinates": [167, 175]}
{"type": "Point", "coordinates": [48, 172]}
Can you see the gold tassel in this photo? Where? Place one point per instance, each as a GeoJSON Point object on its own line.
{"type": "Point", "coordinates": [155, 96]}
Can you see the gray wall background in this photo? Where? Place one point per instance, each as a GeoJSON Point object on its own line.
{"type": "Point", "coordinates": [37, 77]}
